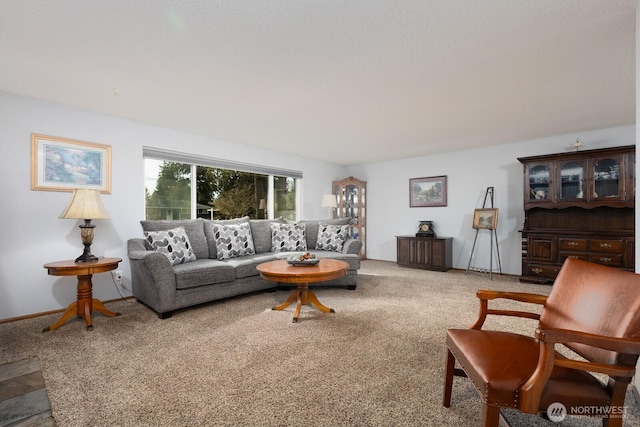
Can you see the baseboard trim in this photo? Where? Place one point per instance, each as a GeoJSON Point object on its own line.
{"type": "Point", "coordinates": [46, 313]}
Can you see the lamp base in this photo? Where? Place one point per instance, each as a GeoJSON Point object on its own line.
{"type": "Point", "coordinates": [86, 232]}
{"type": "Point", "coordinates": [87, 256]}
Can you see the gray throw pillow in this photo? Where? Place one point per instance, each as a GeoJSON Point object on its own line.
{"type": "Point", "coordinates": [193, 227]}
{"type": "Point", "coordinates": [174, 244]}
{"type": "Point", "coordinates": [288, 237]}
{"type": "Point", "coordinates": [233, 240]}
{"type": "Point", "coordinates": [331, 237]}
{"type": "Point", "coordinates": [208, 232]}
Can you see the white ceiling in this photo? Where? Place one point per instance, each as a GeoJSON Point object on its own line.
{"type": "Point", "coordinates": [346, 81]}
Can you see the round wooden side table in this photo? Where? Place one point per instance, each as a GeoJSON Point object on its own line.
{"type": "Point", "coordinates": [85, 304]}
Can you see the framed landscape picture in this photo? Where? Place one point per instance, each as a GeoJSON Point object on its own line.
{"type": "Point", "coordinates": [428, 191]}
{"type": "Point", "coordinates": [486, 219]}
{"type": "Point", "coordinates": [59, 164]}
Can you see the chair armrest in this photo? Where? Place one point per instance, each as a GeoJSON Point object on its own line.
{"type": "Point", "coordinates": [484, 296]}
{"type": "Point", "coordinates": [514, 296]}
{"type": "Point", "coordinates": [620, 345]}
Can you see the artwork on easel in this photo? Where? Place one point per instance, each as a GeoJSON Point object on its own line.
{"type": "Point", "coordinates": [485, 219]}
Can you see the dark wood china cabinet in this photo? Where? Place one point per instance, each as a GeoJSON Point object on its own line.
{"type": "Point", "coordinates": [579, 204]}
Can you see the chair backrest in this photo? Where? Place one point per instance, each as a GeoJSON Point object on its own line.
{"type": "Point", "coordinates": [596, 299]}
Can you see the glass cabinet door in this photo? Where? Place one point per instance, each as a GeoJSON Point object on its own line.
{"type": "Point", "coordinates": [351, 203]}
{"type": "Point", "coordinates": [538, 178]}
{"type": "Point", "coordinates": [571, 180]}
{"type": "Point", "coordinates": [607, 182]}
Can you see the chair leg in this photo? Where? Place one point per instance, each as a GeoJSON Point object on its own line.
{"type": "Point", "coordinates": [448, 379]}
{"type": "Point", "coordinates": [490, 415]}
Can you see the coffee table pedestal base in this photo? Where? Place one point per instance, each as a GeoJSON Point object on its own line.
{"type": "Point", "coordinates": [303, 296]}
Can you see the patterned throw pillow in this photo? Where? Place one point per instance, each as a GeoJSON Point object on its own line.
{"type": "Point", "coordinates": [331, 237]}
{"type": "Point", "coordinates": [288, 237]}
{"type": "Point", "coordinates": [233, 240]}
{"type": "Point", "coordinates": [174, 244]}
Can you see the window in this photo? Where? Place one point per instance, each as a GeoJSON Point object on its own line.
{"type": "Point", "coordinates": [220, 192]}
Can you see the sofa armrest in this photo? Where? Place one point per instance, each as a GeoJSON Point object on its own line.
{"type": "Point", "coordinates": [153, 280]}
{"type": "Point", "coordinates": [352, 246]}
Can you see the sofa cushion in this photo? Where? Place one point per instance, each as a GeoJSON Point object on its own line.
{"type": "Point", "coordinates": [233, 240]}
{"type": "Point", "coordinates": [331, 237]}
{"type": "Point", "coordinates": [203, 272]}
{"type": "Point", "coordinates": [174, 244]}
{"type": "Point", "coordinates": [193, 227]}
{"type": "Point", "coordinates": [288, 237]}
{"type": "Point", "coordinates": [312, 228]}
{"type": "Point", "coordinates": [210, 238]}
{"type": "Point", "coordinates": [246, 266]}
{"type": "Point", "coordinates": [261, 232]}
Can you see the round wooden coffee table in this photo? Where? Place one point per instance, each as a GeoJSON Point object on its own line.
{"type": "Point", "coordinates": [283, 272]}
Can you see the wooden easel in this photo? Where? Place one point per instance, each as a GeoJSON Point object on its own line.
{"type": "Point", "coordinates": [494, 236]}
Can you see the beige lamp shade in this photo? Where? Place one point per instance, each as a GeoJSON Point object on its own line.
{"type": "Point", "coordinates": [85, 204]}
{"type": "Point", "coordinates": [329, 201]}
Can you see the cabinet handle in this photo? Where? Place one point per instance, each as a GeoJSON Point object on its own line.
{"type": "Point", "coordinates": [573, 256]}
{"type": "Point", "coordinates": [536, 270]}
{"type": "Point", "coordinates": [573, 243]}
{"type": "Point", "coordinates": [605, 245]}
{"type": "Point", "coordinates": [605, 260]}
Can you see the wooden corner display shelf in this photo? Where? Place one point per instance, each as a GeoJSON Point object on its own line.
{"type": "Point", "coordinates": [581, 205]}
{"type": "Point", "coordinates": [351, 195]}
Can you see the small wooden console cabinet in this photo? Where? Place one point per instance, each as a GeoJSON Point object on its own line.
{"type": "Point", "coordinates": [579, 204]}
{"type": "Point", "coordinates": [428, 253]}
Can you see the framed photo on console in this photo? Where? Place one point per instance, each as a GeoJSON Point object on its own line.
{"type": "Point", "coordinates": [428, 191]}
{"type": "Point", "coordinates": [59, 164]}
{"type": "Point", "coordinates": [485, 219]}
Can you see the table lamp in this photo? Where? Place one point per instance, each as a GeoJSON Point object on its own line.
{"type": "Point", "coordinates": [329, 201]}
{"type": "Point", "coordinates": [87, 205]}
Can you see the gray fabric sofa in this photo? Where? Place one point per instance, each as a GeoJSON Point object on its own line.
{"type": "Point", "coordinates": [164, 287]}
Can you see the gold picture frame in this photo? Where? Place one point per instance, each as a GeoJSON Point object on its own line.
{"type": "Point", "coordinates": [59, 164]}
{"type": "Point", "coordinates": [485, 219]}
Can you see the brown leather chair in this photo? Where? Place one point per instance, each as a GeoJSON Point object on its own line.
{"type": "Point", "coordinates": [593, 310]}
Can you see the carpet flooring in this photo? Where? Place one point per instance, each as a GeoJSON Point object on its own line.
{"type": "Point", "coordinates": [377, 361]}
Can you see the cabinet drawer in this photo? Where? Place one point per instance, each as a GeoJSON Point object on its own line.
{"type": "Point", "coordinates": [579, 245]}
{"type": "Point", "coordinates": [564, 255]}
{"type": "Point", "coordinates": [606, 259]}
{"type": "Point", "coordinates": [607, 246]}
{"type": "Point", "coordinates": [542, 270]}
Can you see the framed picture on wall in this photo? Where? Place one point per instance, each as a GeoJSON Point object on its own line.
{"type": "Point", "coordinates": [59, 164]}
{"type": "Point", "coordinates": [428, 191]}
{"type": "Point", "coordinates": [485, 219]}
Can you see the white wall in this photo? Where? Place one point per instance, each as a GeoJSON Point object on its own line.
{"type": "Point", "coordinates": [32, 233]}
{"type": "Point", "coordinates": [469, 173]}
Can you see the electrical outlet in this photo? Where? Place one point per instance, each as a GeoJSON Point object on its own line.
{"type": "Point", "coordinates": [117, 277]}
